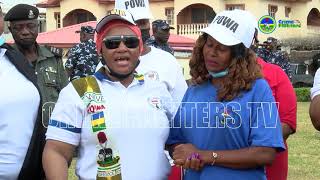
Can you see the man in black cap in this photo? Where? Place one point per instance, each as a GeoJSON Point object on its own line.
{"type": "Point", "coordinates": [83, 57]}
{"type": "Point", "coordinates": [47, 65]}
{"type": "Point", "coordinates": [22, 134]}
{"type": "Point", "coordinates": [86, 33]}
{"type": "Point", "coordinates": [161, 33]}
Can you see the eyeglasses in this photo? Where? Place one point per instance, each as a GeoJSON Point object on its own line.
{"type": "Point", "coordinates": [113, 42]}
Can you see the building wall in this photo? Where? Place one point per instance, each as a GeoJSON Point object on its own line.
{"type": "Point", "coordinates": [98, 10]}
{"type": "Point", "coordinates": [51, 21]}
{"type": "Point", "coordinates": [299, 11]}
{"type": "Point", "coordinates": [310, 5]}
{"type": "Point", "coordinates": [158, 9]}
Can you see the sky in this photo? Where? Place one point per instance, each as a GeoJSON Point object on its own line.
{"type": "Point", "coordinates": [7, 4]}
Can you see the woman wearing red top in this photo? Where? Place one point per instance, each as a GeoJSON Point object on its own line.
{"type": "Point", "coordinates": [284, 94]}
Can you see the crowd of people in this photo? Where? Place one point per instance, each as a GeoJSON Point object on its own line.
{"type": "Point", "coordinates": [122, 101]}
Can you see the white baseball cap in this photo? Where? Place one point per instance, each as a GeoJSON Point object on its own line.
{"type": "Point", "coordinates": [138, 8]}
{"type": "Point", "coordinates": [115, 14]}
{"type": "Point", "coordinates": [232, 27]}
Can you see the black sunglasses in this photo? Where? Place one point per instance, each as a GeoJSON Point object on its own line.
{"type": "Point", "coordinates": [113, 42]}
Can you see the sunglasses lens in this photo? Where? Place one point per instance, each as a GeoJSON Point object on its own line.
{"type": "Point", "coordinates": [112, 43]}
{"type": "Point", "coordinates": [131, 42]}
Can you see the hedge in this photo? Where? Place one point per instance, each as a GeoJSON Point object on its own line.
{"type": "Point", "coordinates": [303, 94]}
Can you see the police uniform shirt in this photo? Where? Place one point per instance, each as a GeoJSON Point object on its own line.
{"type": "Point", "coordinates": [152, 42]}
{"type": "Point", "coordinates": [137, 119]}
{"type": "Point", "coordinates": [18, 108]}
{"type": "Point", "coordinates": [161, 66]}
{"type": "Point", "coordinates": [83, 59]}
{"type": "Point", "coordinates": [276, 57]}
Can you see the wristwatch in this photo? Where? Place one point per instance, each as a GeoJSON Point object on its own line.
{"type": "Point", "coordinates": [214, 156]}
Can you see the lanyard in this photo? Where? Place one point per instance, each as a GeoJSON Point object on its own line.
{"type": "Point", "coordinates": [108, 159]}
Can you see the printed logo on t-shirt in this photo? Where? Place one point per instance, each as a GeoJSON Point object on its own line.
{"type": "Point", "coordinates": [108, 159]}
{"type": "Point", "coordinates": [229, 118]}
{"type": "Point", "coordinates": [98, 122]}
{"type": "Point", "coordinates": [90, 97]}
{"type": "Point", "coordinates": [152, 75]}
{"type": "Point", "coordinates": [155, 102]}
{"type": "Point", "coordinates": [95, 107]}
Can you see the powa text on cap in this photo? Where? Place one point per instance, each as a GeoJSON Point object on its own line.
{"type": "Point", "coordinates": [227, 22]}
{"type": "Point", "coordinates": [134, 3]}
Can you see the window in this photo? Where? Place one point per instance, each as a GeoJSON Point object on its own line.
{"type": "Point", "coordinates": [42, 22]}
{"type": "Point", "coordinates": [287, 11]}
{"type": "Point", "coordinates": [81, 17]}
{"type": "Point", "coordinates": [272, 10]}
{"type": "Point", "coordinates": [58, 19]}
{"type": "Point", "coordinates": [235, 6]}
{"type": "Point", "coordinates": [202, 15]}
{"type": "Point", "coordinates": [169, 12]}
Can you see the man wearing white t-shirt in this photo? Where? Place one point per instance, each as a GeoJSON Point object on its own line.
{"type": "Point", "coordinates": [155, 64]}
{"type": "Point", "coordinates": [315, 101]}
{"type": "Point", "coordinates": [21, 131]}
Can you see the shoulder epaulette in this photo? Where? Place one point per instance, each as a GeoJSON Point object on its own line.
{"type": "Point", "coordinates": [55, 51]}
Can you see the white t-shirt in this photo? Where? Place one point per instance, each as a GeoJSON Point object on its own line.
{"type": "Point", "coordinates": [137, 127]}
{"type": "Point", "coordinates": [315, 90]}
{"type": "Point", "coordinates": [18, 112]}
{"type": "Point", "coordinates": [162, 66]}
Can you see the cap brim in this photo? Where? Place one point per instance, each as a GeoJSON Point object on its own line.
{"type": "Point", "coordinates": [109, 18]}
{"type": "Point", "coordinates": [221, 36]}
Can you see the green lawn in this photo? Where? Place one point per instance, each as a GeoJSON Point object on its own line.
{"type": "Point", "coordinates": [304, 149]}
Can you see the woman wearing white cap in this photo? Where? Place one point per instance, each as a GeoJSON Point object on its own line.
{"type": "Point", "coordinates": [118, 120]}
{"type": "Point", "coordinates": [227, 127]}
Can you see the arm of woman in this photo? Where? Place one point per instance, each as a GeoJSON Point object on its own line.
{"type": "Point", "coordinates": [286, 97]}
{"type": "Point", "coordinates": [245, 158]}
{"type": "Point", "coordinates": [315, 101]}
{"type": "Point", "coordinates": [240, 159]}
{"type": "Point", "coordinates": [314, 112]}
{"type": "Point", "coordinates": [176, 136]}
{"type": "Point", "coordinates": [56, 158]}
{"type": "Point", "coordinates": [63, 134]}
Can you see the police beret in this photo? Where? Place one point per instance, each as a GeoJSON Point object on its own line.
{"type": "Point", "coordinates": [161, 24]}
{"type": "Point", "coordinates": [86, 29]}
{"type": "Point", "coordinates": [22, 12]}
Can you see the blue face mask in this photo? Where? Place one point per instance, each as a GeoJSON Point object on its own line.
{"type": "Point", "coordinates": [2, 40]}
{"type": "Point", "coordinates": [219, 74]}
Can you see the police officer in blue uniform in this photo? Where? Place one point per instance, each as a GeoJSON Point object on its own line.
{"type": "Point", "coordinates": [83, 58]}
{"type": "Point", "coordinates": [161, 33]}
{"type": "Point", "coordinates": [271, 54]}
